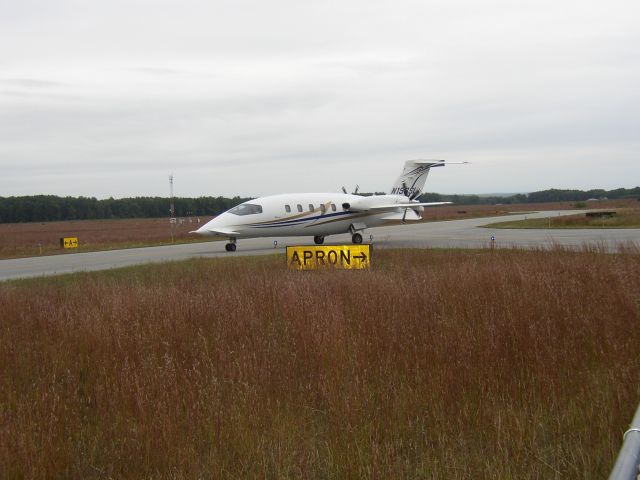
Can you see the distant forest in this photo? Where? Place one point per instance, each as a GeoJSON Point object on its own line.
{"type": "Point", "coordinates": [46, 208]}
{"type": "Point", "coordinates": [544, 196]}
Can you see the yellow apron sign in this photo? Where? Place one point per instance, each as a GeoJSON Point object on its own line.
{"type": "Point", "coordinates": [330, 256]}
{"type": "Point", "coordinates": [69, 242]}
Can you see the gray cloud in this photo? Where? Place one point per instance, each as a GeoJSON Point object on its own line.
{"type": "Point", "coordinates": [160, 71]}
{"type": "Point", "coordinates": [259, 97]}
{"type": "Point", "coordinates": [29, 83]}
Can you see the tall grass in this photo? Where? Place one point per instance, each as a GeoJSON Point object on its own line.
{"type": "Point", "coordinates": [435, 364]}
{"type": "Point", "coordinates": [624, 218]}
{"type": "Point", "coordinates": [43, 238]}
{"type": "Point", "coordinates": [454, 212]}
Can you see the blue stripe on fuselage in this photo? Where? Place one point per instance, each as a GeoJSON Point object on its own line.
{"type": "Point", "coordinates": [287, 223]}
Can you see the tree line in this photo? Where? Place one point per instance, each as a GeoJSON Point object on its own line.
{"type": "Point", "coordinates": [543, 196]}
{"type": "Point", "coordinates": [46, 208]}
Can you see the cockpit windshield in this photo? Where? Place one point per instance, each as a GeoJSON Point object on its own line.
{"type": "Point", "coordinates": [246, 209]}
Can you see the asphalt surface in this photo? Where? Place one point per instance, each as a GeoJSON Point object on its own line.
{"type": "Point", "coordinates": [450, 234]}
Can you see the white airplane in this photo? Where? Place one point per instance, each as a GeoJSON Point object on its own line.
{"type": "Point", "coordinates": [322, 214]}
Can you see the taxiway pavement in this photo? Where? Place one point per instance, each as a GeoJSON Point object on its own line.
{"type": "Point", "coordinates": [448, 234]}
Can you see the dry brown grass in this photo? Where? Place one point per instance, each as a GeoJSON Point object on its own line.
{"type": "Point", "coordinates": [435, 364]}
{"type": "Point", "coordinates": [24, 239]}
{"type": "Point", "coordinates": [453, 212]}
{"type": "Point", "coordinates": [623, 218]}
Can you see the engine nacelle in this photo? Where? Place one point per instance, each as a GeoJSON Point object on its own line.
{"type": "Point", "coordinates": [359, 205]}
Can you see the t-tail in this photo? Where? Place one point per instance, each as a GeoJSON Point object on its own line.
{"type": "Point", "coordinates": [414, 175]}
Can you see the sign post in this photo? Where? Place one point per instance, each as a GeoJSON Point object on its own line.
{"type": "Point", "coordinates": [314, 257]}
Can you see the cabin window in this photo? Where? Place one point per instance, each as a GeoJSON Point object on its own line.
{"type": "Point", "coordinates": [287, 208]}
{"type": "Point", "coordinates": [299, 207]}
{"type": "Point", "coordinates": [323, 209]}
{"type": "Point", "coordinates": [333, 207]}
{"type": "Point", "coordinates": [246, 209]}
{"type": "Point", "coordinates": [311, 208]}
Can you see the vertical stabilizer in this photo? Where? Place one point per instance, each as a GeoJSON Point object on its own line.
{"type": "Point", "coordinates": [414, 175]}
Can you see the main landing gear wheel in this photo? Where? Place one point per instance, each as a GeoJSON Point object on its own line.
{"type": "Point", "coordinates": [318, 239]}
{"type": "Point", "coordinates": [230, 247]}
{"type": "Point", "coordinates": [356, 238]}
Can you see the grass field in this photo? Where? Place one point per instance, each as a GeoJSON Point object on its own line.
{"type": "Point", "coordinates": [33, 239]}
{"type": "Point", "coordinates": [455, 212]}
{"type": "Point", "coordinates": [43, 238]}
{"type": "Point", "coordinates": [434, 364]}
{"type": "Point", "coordinates": [460, 212]}
{"type": "Point", "coordinates": [27, 239]}
{"type": "Point", "coordinates": [624, 218]}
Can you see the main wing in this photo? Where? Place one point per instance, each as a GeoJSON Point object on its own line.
{"type": "Point", "coordinates": [408, 205]}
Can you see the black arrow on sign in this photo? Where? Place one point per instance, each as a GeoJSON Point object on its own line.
{"type": "Point", "coordinates": [362, 257]}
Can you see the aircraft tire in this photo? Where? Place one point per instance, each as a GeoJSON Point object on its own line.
{"type": "Point", "coordinates": [356, 238]}
{"type": "Point", "coordinates": [318, 239]}
{"type": "Point", "coordinates": [230, 247]}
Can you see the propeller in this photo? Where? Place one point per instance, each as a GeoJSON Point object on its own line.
{"type": "Point", "coordinates": [355, 192]}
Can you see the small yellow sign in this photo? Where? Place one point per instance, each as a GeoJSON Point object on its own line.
{"type": "Point", "coordinates": [313, 257]}
{"type": "Point", "coordinates": [69, 242]}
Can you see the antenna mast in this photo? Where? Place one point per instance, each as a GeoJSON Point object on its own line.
{"type": "Point", "coordinates": [172, 210]}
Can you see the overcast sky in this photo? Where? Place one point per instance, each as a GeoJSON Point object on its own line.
{"type": "Point", "coordinates": [107, 98]}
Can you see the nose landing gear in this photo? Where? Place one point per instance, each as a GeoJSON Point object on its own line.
{"type": "Point", "coordinates": [318, 239]}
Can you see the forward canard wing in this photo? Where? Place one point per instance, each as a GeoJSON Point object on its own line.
{"type": "Point", "coordinates": [225, 232]}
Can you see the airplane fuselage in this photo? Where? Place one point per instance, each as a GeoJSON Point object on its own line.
{"type": "Point", "coordinates": [313, 214]}
{"type": "Point", "coordinates": [322, 214]}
